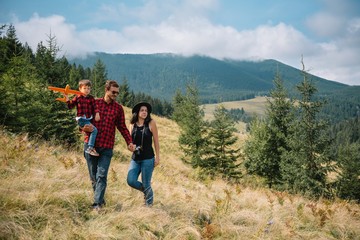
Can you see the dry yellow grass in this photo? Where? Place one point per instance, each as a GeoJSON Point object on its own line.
{"type": "Point", "coordinates": [45, 193]}
{"type": "Point", "coordinates": [255, 106]}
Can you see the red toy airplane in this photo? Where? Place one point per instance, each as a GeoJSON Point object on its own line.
{"type": "Point", "coordinates": [67, 90]}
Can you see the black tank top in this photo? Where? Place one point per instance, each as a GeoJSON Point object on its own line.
{"type": "Point", "coordinates": [145, 137]}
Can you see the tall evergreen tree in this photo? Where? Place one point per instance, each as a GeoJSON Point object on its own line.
{"type": "Point", "coordinates": [98, 78]}
{"type": "Point", "coordinates": [256, 148]}
{"type": "Point", "coordinates": [10, 47]}
{"type": "Point", "coordinates": [348, 185]}
{"type": "Point", "coordinates": [60, 123]}
{"type": "Point", "coordinates": [74, 77]}
{"type": "Point", "coordinates": [189, 115]}
{"type": "Point", "coordinates": [16, 94]}
{"type": "Point", "coordinates": [125, 96]}
{"type": "Point", "coordinates": [306, 165]}
{"type": "Point", "coordinates": [221, 156]}
{"type": "Point", "coordinates": [268, 138]}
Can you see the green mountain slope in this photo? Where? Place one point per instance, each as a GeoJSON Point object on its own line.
{"type": "Point", "coordinates": [159, 75]}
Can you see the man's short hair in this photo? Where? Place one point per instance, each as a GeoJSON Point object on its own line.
{"type": "Point", "coordinates": [111, 83]}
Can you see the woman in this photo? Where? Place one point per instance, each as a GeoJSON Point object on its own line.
{"type": "Point", "coordinates": [143, 131]}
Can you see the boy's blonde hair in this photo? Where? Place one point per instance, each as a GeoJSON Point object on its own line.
{"type": "Point", "coordinates": [84, 82]}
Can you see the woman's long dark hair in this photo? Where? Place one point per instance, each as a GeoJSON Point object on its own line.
{"type": "Point", "coordinates": [135, 117]}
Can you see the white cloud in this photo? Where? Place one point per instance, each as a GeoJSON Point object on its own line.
{"type": "Point", "coordinates": [326, 24]}
{"type": "Point", "coordinates": [334, 60]}
{"type": "Point", "coordinates": [39, 29]}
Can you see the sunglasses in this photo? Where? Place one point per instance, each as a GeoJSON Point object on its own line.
{"type": "Point", "coordinates": [115, 92]}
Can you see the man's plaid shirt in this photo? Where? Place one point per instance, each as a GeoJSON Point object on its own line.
{"type": "Point", "coordinates": [111, 116]}
{"type": "Point", "coordinates": [85, 105]}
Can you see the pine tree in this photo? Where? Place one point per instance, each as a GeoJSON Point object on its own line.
{"type": "Point", "coordinates": [222, 157]}
{"type": "Point", "coordinates": [58, 121]}
{"type": "Point", "coordinates": [256, 150]}
{"type": "Point", "coordinates": [306, 165]}
{"type": "Point", "coordinates": [98, 79]}
{"type": "Point", "coordinates": [268, 138]}
{"type": "Point", "coordinates": [8, 44]}
{"type": "Point", "coordinates": [16, 96]}
{"type": "Point", "coordinates": [188, 114]}
{"type": "Point", "coordinates": [74, 77]}
{"type": "Point", "coordinates": [10, 47]}
{"type": "Point", "coordinates": [125, 94]}
{"type": "Point", "coordinates": [348, 185]}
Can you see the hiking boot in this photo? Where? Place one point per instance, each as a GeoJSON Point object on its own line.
{"type": "Point", "coordinates": [92, 152]}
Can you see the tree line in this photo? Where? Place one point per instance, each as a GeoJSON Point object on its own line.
{"type": "Point", "coordinates": [292, 148]}
{"type": "Point", "coordinates": [28, 106]}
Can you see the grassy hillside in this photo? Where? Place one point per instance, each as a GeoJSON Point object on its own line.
{"type": "Point", "coordinates": [254, 107]}
{"type": "Point", "coordinates": [45, 193]}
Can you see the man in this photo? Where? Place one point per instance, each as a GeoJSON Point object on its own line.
{"type": "Point", "coordinates": [111, 117]}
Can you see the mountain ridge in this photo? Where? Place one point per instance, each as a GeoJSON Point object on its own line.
{"type": "Point", "coordinates": [161, 74]}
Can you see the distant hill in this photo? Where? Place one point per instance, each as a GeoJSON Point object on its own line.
{"type": "Point", "coordinates": [160, 75]}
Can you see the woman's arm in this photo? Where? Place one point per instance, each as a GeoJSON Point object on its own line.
{"type": "Point", "coordinates": [131, 146]}
{"type": "Point", "coordinates": [153, 129]}
{"type": "Point", "coordinates": [131, 128]}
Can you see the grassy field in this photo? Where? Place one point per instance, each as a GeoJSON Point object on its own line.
{"type": "Point", "coordinates": [253, 107]}
{"type": "Point", "coordinates": [45, 193]}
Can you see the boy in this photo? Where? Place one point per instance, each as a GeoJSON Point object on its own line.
{"type": "Point", "coordinates": [86, 108]}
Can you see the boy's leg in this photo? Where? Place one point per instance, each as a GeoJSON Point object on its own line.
{"type": "Point", "coordinates": [91, 143]}
{"type": "Point", "coordinates": [92, 137]}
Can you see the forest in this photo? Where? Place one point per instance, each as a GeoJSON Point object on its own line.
{"type": "Point", "coordinates": [28, 106]}
{"type": "Point", "coordinates": [295, 148]}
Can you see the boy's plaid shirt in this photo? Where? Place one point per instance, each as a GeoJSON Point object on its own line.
{"type": "Point", "coordinates": [84, 105]}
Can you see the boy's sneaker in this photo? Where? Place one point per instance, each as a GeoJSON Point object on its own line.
{"type": "Point", "coordinates": [92, 152]}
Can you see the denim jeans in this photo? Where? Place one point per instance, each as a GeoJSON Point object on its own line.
{"type": "Point", "coordinates": [98, 170]}
{"type": "Point", "coordinates": [146, 168]}
{"type": "Point", "coordinates": [82, 122]}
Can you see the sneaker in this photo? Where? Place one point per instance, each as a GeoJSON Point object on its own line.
{"type": "Point", "coordinates": [96, 207]}
{"type": "Point", "coordinates": [92, 152]}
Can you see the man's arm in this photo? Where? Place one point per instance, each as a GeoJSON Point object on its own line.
{"type": "Point", "coordinates": [121, 126]}
{"type": "Point", "coordinates": [96, 110]}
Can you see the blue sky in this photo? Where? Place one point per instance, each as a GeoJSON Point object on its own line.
{"type": "Point", "coordinates": [325, 32]}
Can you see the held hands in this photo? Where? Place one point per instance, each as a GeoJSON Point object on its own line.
{"type": "Point", "coordinates": [131, 147]}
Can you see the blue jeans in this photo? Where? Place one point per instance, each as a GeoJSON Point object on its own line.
{"type": "Point", "coordinates": [82, 122]}
{"type": "Point", "coordinates": [98, 170]}
{"type": "Point", "coordinates": [146, 168]}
